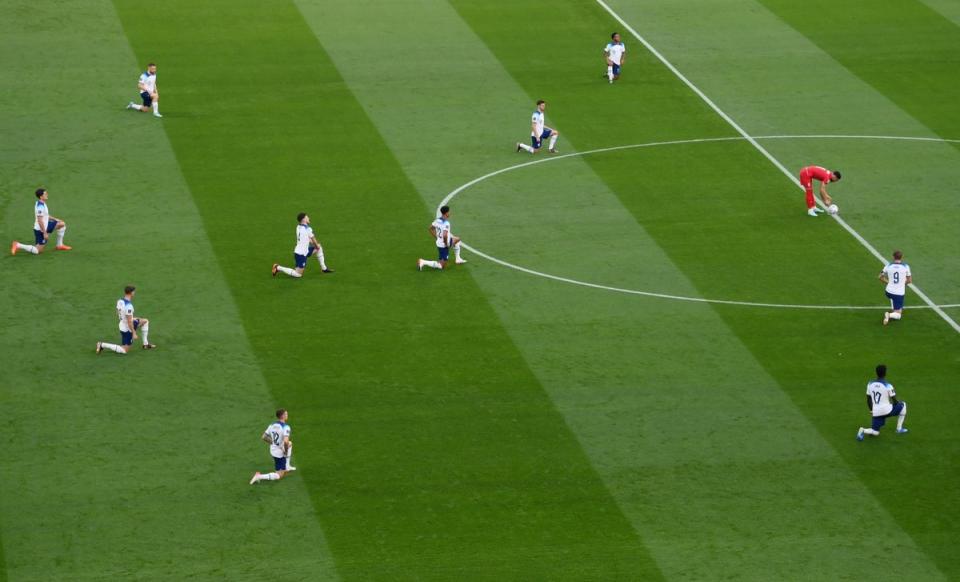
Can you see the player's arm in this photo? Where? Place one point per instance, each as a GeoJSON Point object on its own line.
{"type": "Point", "coordinates": [433, 231]}
{"type": "Point", "coordinates": [142, 86]}
{"type": "Point", "coordinates": [42, 220]}
{"type": "Point", "coordinates": [606, 56]}
{"type": "Point", "coordinates": [823, 194]}
{"type": "Point", "coordinates": [130, 325]}
{"type": "Point", "coordinates": [286, 444]}
{"type": "Point", "coordinates": [265, 437]}
{"type": "Point", "coordinates": [883, 276]}
{"type": "Point", "coordinates": [893, 396]}
{"type": "Point", "coordinates": [909, 279]}
{"type": "Point", "coordinates": [533, 130]}
{"type": "Point", "coordinates": [314, 241]}
{"type": "Point", "coordinates": [869, 403]}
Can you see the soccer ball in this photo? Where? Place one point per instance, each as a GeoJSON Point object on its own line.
{"type": "Point", "coordinates": [833, 209]}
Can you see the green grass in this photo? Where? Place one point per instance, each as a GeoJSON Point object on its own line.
{"type": "Point", "coordinates": [480, 423]}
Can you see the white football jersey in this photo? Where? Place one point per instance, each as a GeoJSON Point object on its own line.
{"type": "Point", "coordinates": [538, 123]}
{"type": "Point", "coordinates": [880, 393]}
{"type": "Point", "coordinates": [615, 51]}
{"type": "Point", "coordinates": [304, 234]}
{"type": "Point", "coordinates": [442, 227]}
{"type": "Point", "coordinates": [149, 81]}
{"type": "Point", "coordinates": [40, 216]}
{"type": "Point", "coordinates": [897, 274]}
{"type": "Point", "coordinates": [276, 432]}
{"type": "Point", "coordinates": [124, 309]}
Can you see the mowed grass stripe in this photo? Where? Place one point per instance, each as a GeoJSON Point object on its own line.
{"type": "Point", "coordinates": [129, 466]}
{"type": "Point", "coordinates": [906, 50]}
{"type": "Point", "coordinates": [761, 72]}
{"type": "Point", "coordinates": [719, 212]}
{"type": "Point", "coordinates": [635, 405]}
{"type": "Point", "coordinates": [430, 449]}
{"type": "Point", "coordinates": [878, 178]}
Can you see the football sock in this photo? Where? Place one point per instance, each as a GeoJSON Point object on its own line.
{"type": "Point", "coordinates": [145, 329]}
{"type": "Point", "coordinates": [895, 315]}
{"type": "Point", "coordinates": [871, 432]}
{"type": "Point", "coordinates": [553, 141]}
{"type": "Point", "coordinates": [456, 251]}
{"type": "Point", "coordinates": [323, 265]}
{"type": "Point", "coordinates": [156, 106]}
{"type": "Point", "coordinates": [902, 417]}
{"type": "Point", "coordinates": [60, 234]}
{"type": "Point", "coordinates": [610, 73]}
{"type": "Point", "coordinates": [30, 248]}
{"type": "Point", "coordinates": [114, 347]}
{"type": "Point", "coordinates": [526, 147]}
{"type": "Point", "coordinates": [289, 271]}
{"type": "Point", "coordinates": [432, 264]}
{"type": "Point", "coordinates": [270, 476]}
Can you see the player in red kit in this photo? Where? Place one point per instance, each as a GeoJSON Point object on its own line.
{"type": "Point", "coordinates": [807, 176]}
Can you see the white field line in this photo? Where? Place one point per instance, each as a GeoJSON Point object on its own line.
{"type": "Point", "coordinates": [676, 297]}
{"type": "Point", "coordinates": [768, 155]}
{"type": "Point", "coordinates": [460, 189]}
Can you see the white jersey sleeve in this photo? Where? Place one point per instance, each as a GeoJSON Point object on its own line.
{"type": "Point", "coordinates": [537, 120]}
{"type": "Point", "coordinates": [124, 310]}
{"type": "Point", "coordinates": [40, 216]}
{"type": "Point", "coordinates": [304, 234]}
{"type": "Point", "coordinates": [148, 81]}
{"type": "Point", "coordinates": [277, 431]}
{"type": "Point", "coordinates": [442, 228]}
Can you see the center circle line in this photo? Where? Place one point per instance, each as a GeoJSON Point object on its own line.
{"type": "Point", "coordinates": [453, 193]}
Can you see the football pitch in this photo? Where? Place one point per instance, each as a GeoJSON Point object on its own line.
{"type": "Point", "coordinates": [652, 366]}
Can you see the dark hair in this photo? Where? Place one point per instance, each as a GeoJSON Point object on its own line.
{"type": "Point", "coordinates": [281, 412]}
{"type": "Point", "coordinates": [151, 65]}
{"type": "Point", "coordinates": [540, 102]}
{"type": "Point", "coordinates": [614, 34]}
{"type": "Point", "coordinates": [301, 216]}
{"type": "Point", "coordinates": [881, 371]}
{"type": "Point", "coordinates": [40, 192]}
{"type": "Point", "coordinates": [444, 210]}
{"type": "Point", "coordinates": [836, 174]}
{"type": "Point", "coordinates": [897, 255]}
{"type": "Point", "coordinates": [129, 289]}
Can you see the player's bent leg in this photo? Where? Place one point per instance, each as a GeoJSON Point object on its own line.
{"type": "Point", "coordinates": [902, 417]}
{"type": "Point", "coordinates": [145, 332]}
{"type": "Point", "coordinates": [61, 231]}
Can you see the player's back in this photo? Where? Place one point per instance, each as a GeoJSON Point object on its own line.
{"type": "Point", "coordinates": [818, 173]}
{"type": "Point", "coordinates": [277, 431]}
{"type": "Point", "coordinates": [880, 392]}
{"type": "Point", "coordinates": [897, 274]}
